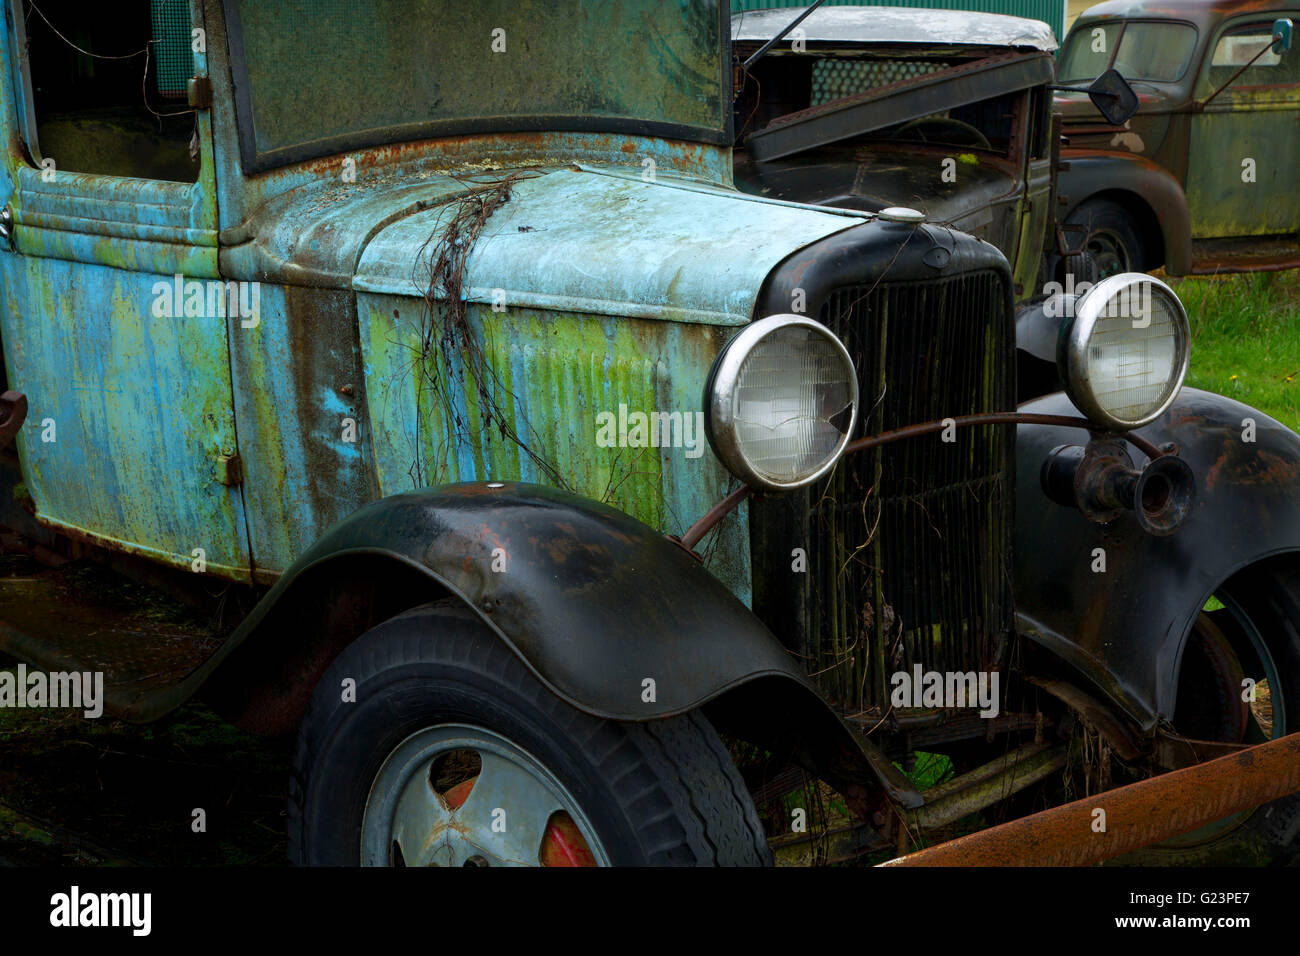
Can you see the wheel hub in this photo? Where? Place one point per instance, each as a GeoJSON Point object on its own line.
{"type": "Point", "coordinates": [512, 812]}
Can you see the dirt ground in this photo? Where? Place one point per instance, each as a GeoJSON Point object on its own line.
{"type": "Point", "coordinates": [136, 789]}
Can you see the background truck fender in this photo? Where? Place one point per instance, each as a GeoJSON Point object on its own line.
{"type": "Point", "coordinates": [1149, 192]}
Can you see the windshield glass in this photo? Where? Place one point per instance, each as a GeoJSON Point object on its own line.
{"type": "Point", "coordinates": [315, 77]}
{"type": "Point", "coordinates": [1142, 50]}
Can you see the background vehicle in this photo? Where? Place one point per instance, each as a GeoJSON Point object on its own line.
{"type": "Point", "coordinates": [952, 115]}
{"type": "Point", "coordinates": [1217, 110]}
{"type": "Point", "coordinates": [893, 106]}
{"type": "Point", "coordinates": [355, 360]}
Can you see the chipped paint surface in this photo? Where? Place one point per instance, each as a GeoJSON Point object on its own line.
{"type": "Point", "coordinates": [555, 372]}
{"type": "Point", "coordinates": [637, 254]}
{"type": "Point", "coordinates": [140, 409]}
{"type": "Point", "coordinates": [299, 400]}
{"type": "Point", "coordinates": [613, 245]}
{"type": "Point", "coordinates": [140, 403]}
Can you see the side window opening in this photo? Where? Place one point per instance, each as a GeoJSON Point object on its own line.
{"type": "Point", "coordinates": [1238, 46]}
{"type": "Point", "coordinates": [108, 86]}
{"type": "Point", "coordinates": [1040, 124]}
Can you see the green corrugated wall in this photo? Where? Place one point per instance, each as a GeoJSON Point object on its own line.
{"type": "Point", "coordinates": [1051, 12]}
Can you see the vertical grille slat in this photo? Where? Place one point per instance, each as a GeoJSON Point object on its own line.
{"type": "Point", "coordinates": [932, 585]}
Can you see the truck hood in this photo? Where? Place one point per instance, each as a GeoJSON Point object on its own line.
{"type": "Point", "coordinates": [1077, 110]}
{"type": "Point", "coordinates": [600, 240]}
{"type": "Point", "coordinates": [1085, 128]}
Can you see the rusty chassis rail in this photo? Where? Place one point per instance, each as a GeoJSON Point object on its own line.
{"type": "Point", "coordinates": [961, 796]}
{"type": "Point", "coordinates": [1137, 815]}
{"type": "Point", "coordinates": [696, 532]}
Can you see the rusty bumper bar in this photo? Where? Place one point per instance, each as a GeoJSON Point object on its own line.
{"type": "Point", "coordinates": [1135, 816]}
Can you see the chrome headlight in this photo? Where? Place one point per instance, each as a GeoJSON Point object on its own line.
{"type": "Point", "coordinates": [1124, 354]}
{"type": "Point", "coordinates": [781, 402]}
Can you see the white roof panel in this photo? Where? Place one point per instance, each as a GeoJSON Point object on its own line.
{"type": "Point", "coordinates": [897, 25]}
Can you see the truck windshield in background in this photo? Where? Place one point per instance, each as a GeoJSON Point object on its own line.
{"type": "Point", "coordinates": [1140, 50]}
{"type": "Point", "coordinates": [384, 71]}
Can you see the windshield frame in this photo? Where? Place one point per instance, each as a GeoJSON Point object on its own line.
{"type": "Point", "coordinates": [1082, 27]}
{"type": "Point", "coordinates": [980, 79]}
{"type": "Point", "coordinates": [254, 160]}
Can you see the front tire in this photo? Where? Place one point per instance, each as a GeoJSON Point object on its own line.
{"type": "Point", "coordinates": [454, 753]}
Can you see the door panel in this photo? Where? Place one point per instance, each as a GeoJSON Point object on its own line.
{"type": "Point", "coordinates": [1034, 223]}
{"type": "Point", "coordinates": [127, 414]}
{"type": "Point", "coordinates": [1244, 148]}
{"type": "Point", "coordinates": [114, 327]}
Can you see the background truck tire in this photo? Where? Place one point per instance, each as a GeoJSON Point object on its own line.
{"type": "Point", "coordinates": [1114, 240]}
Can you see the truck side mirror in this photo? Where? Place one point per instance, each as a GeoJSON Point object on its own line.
{"type": "Point", "coordinates": [1281, 35]}
{"type": "Point", "coordinates": [1113, 97]}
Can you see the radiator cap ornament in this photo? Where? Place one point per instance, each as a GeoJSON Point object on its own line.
{"type": "Point", "coordinates": [900, 214]}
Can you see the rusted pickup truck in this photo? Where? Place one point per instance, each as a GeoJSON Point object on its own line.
{"type": "Point", "coordinates": [1219, 96]}
{"type": "Point", "coordinates": [870, 107]}
{"type": "Point", "coordinates": [566, 505]}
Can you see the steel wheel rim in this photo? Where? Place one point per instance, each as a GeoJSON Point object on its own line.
{"type": "Point", "coordinates": [1109, 254]}
{"type": "Point", "coordinates": [502, 822]}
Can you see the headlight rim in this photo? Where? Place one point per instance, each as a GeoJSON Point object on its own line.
{"type": "Point", "coordinates": [1076, 334]}
{"type": "Point", "coordinates": [719, 423]}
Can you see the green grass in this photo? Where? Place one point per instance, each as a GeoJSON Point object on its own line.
{"type": "Point", "coordinates": [1246, 339]}
{"type": "Point", "coordinates": [930, 770]}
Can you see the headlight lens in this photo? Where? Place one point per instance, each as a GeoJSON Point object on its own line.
{"type": "Point", "coordinates": [782, 402]}
{"type": "Point", "coordinates": [1124, 354]}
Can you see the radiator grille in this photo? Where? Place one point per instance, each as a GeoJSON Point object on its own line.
{"type": "Point", "coordinates": [909, 545]}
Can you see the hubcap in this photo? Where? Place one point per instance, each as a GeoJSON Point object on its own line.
{"type": "Point", "coordinates": [512, 812]}
{"type": "Point", "coordinates": [1109, 254]}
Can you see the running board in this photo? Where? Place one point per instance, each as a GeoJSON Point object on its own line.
{"type": "Point", "coordinates": [1249, 254]}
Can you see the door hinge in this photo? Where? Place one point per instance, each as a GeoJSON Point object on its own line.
{"type": "Point", "coordinates": [13, 412]}
{"type": "Point", "coordinates": [230, 470]}
{"type": "Point", "coordinates": [200, 92]}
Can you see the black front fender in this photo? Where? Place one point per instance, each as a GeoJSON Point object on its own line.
{"type": "Point", "coordinates": [610, 615]}
{"type": "Point", "coordinates": [594, 602]}
{"type": "Point", "coordinates": [1125, 627]}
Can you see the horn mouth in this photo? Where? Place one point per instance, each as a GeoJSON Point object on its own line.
{"type": "Point", "coordinates": [1164, 495]}
{"type": "Point", "coordinates": [1099, 479]}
